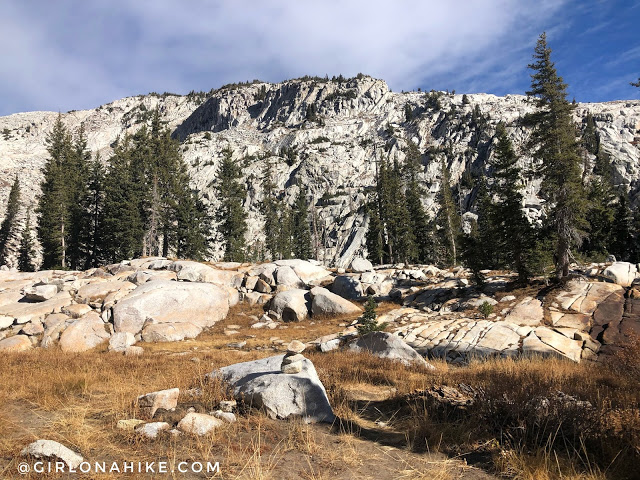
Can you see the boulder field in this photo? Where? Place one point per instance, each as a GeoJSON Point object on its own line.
{"type": "Point", "coordinates": [438, 312]}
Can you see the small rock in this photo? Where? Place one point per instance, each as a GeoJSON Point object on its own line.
{"type": "Point", "coordinates": [51, 449]}
{"type": "Point", "coordinates": [40, 293]}
{"type": "Point", "coordinates": [199, 423]}
{"type": "Point", "coordinates": [292, 368]}
{"type": "Point", "coordinates": [120, 341]}
{"type": "Point", "coordinates": [133, 351]}
{"type": "Point", "coordinates": [129, 424]}
{"type": "Point", "coordinates": [149, 403]}
{"type": "Point", "coordinates": [152, 430]}
{"type": "Point", "coordinates": [296, 346]}
{"type": "Point", "coordinates": [228, 405]}
{"type": "Point", "coordinates": [236, 345]}
{"type": "Point", "coordinates": [292, 358]}
{"type": "Point", "coordinates": [225, 416]}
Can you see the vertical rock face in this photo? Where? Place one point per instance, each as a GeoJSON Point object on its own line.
{"type": "Point", "coordinates": [324, 135]}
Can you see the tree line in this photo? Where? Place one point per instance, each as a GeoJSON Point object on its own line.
{"type": "Point", "coordinates": [584, 215]}
{"type": "Point", "coordinates": [138, 203]}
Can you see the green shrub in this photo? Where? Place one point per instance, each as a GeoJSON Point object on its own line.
{"type": "Point", "coordinates": [368, 321]}
{"type": "Point", "coordinates": [486, 309]}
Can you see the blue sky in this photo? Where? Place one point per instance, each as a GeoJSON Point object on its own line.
{"type": "Point", "coordinates": [76, 54]}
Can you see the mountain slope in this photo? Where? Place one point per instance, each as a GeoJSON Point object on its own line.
{"type": "Point", "coordinates": [321, 134]}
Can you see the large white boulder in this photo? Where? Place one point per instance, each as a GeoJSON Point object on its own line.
{"type": "Point", "coordinates": [292, 305]}
{"type": "Point", "coordinates": [168, 311]}
{"type": "Point", "coordinates": [198, 272]}
{"type": "Point", "coordinates": [84, 334]}
{"type": "Point", "coordinates": [17, 343]}
{"type": "Point", "coordinates": [360, 265]}
{"type": "Point", "coordinates": [261, 384]}
{"type": "Point", "coordinates": [326, 303]}
{"type": "Point", "coordinates": [387, 345]}
{"type": "Point", "coordinates": [150, 402]}
{"type": "Point", "coordinates": [40, 293]}
{"type": "Point", "coordinates": [308, 272]}
{"type": "Point", "coordinates": [622, 273]}
{"type": "Point", "coordinates": [286, 276]}
{"type": "Point", "coordinates": [347, 286]}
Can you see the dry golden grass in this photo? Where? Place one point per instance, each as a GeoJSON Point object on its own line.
{"type": "Point", "coordinates": [387, 428]}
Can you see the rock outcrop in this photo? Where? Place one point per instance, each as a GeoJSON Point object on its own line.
{"type": "Point", "coordinates": [332, 151]}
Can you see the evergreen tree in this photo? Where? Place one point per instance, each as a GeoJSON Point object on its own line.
{"type": "Point", "coordinates": [54, 204]}
{"type": "Point", "coordinates": [77, 175]}
{"type": "Point", "coordinates": [621, 234]}
{"type": "Point", "coordinates": [399, 221]}
{"type": "Point", "coordinates": [93, 206]}
{"type": "Point", "coordinates": [301, 233]}
{"type": "Point", "coordinates": [636, 84]}
{"type": "Point", "coordinates": [513, 237]}
{"type": "Point", "coordinates": [554, 145]}
{"type": "Point", "coordinates": [374, 241]}
{"type": "Point", "coordinates": [448, 219]}
{"type": "Point", "coordinates": [420, 224]}
{"type": "Point", "coordinates": [269, 209]}
{"type": "Point", "coordinates": [230, 214]}
{"type": "Point", "coordinates": [122, 223]}
{"type": "Point", "coordinates": [8, 232]}
{"type": "Point", "coordinates": [27, 252]}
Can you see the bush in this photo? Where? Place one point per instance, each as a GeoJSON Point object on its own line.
{"type": "Point", "coordinates": [368, 321]}
{"type": "Point", "coordinates": [486, 309]}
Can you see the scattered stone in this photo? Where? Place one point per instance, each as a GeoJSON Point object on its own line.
{"type": "Point", "coordinates": [149, 403]}
{"type": "Point", "coordinates": [76, 310]}
{"type": "Point", "coordinates": [51, 449]}
{"type": "Point", "coordinates": [40, 293]}
{"type": "Point", "coordinates": [228, 417]}
{"type": "Point", "coordinates": [292, 305]}
{"type": "Point", "coordinates": [129, 424]}
{"type": "Point", "coordinates": [133, 351]}
{"type": "Point", "coordinates": [296, 346]}
{"type": "Point", "coordinates": [199, 423]}
{"type": "Point", "coordinates": [120, 341]}
{"type": "Point", "coordinates": [152, 430]}
{"type": "Point", "coordinates": [347, 286]}
{"type": "Point", "coordinates": [622, 273]}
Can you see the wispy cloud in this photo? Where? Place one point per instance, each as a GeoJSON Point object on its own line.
{"type": "Point", "coordinates": [74, 54]}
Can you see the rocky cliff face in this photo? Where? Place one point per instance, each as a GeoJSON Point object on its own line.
{"type": "Point", "coordinates": [325, 136]}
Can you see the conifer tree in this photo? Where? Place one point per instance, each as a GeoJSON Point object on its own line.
{"type": "Point", "coordinates": [420, 224]}
{"type": "Point", "coordinates": [513, 236]}
{"type": "Point", "coordinates": [93, 206]}
{"type": "Point", "coordinates": [554, 145]}
{"type": "Point", "coordinates": [8, 229]}
{"type": "Point", "coordinates": [77, 179]}
{"type": "Point", "coordinates": [230, 214]}
{"type": "Point", "coordinates": [399, 224]}
{"type": "Point", "coordinates": [448, 219]}
{"type": "Point", "coordinates": [301, 233]}
{"type": "Point", "coordinates": [54, 204]}
{"type": "Point", "coordinates": [621, 235]}
{"type": "Point", "coordinates": [122, 225]}
{"type": "Point", "coordinates": [269, 209]}
{"type": "Point", "coordinates": [27, 252]}
{"type": "Point", "coordinates": [374, 241]}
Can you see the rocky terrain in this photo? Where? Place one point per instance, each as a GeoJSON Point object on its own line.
{"type": "Point", "coordinates": [325, 135]}
{"type": "Point", "coordinates": [439, 313]}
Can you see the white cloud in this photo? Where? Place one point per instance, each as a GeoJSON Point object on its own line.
{"type": "Point", "coordinates": [73, 54]}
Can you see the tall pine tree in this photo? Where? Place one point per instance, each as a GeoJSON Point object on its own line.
{"type": "Point", "coordinates": [8, 229]}
{"type": "Point", "coordinates": [514, 237]}
{"type": "Point", "coordinates": [301, 232]}
{"type": "Point", "coordinates": [231, 217]}
{"type": "Point", "coordinates": [554, 144]}
{"type": "Point", "coordinates": [448, 220]}
{"type": "Point", "coordinates": [54, 205]}
{"type": "Point", "coordinates": [26, 254]}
